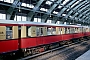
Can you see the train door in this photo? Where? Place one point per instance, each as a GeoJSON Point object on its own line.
{"type": "Point", "coordinates": [41, 31]}
{"type": "Point", "coordinates": [9, 38]}
{"type": "Point", "coordinates": [11, 32]}
{"type": "Point", "coordinates": [58, 31]}
{"type": "Point", "coordinates": [19, 32]}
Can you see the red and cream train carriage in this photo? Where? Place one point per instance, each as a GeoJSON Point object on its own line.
{"type": "Point", "coordinates": [25, 35]}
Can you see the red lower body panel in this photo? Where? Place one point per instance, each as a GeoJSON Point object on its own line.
{"type": "Point", "coordinates": [78, 35]}
{"type": "Point", "coordinates": [82, 34]}
{"type": "Point", "coordinates": [28, 42]}
{"type": "Point", "coordinates": [67, 36]}
{"type": "Point", "coordinates": [51, 39]}
{"type": "Point", "coordinates": [35, 41]}
{"type": "Point", "coordinates": [8, 46]}
{"type": "Point", "coordinates": [87, 33]}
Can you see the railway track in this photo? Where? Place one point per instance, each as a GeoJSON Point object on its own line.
{"type": "Point", "coordinates": [61, 53]}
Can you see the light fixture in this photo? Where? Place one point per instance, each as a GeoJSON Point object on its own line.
{"type": "Point", "coordinates": [50, 14]}
{"type": "Point", "coordinates": [19, 9]}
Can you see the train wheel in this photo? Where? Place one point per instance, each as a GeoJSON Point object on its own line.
{"type": "Point", "coordinates": [33, 51]}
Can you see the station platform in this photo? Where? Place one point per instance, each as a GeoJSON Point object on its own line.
{"type": "Point", "coordinates": [85, 56]}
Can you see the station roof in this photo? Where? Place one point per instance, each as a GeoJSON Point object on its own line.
{"type": "Point", "coordinates": [64, 10]}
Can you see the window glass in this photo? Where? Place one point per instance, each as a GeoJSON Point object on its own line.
{"type": "Point", "coordinates": [31, 31]}
{"type": "Point", "coordinates": [49, 31]}
{"type": "Point", "coordinates": [9, 1]}
{"type": "Point", "coordinates": [9, 32]}
{"type": "Point", "coordinates": [18, 18]}
{"type": "Point", "coordinates": [39, 31]}
{"type": "Point", "coordinates": [28, 32]}
{"type": "Point", "coordinates": [23, 18]}
{"type": "Point", "coordinates": [53, 31]}
{"type": "Point", "coordinates": [49, 21]}
{"type": "Point", "coordinates": [2, 16]}
{"type": "Point", "coordinates": [15, 19]}
{"type": "Point", "coordinates": [24, 4]}
{"type": "Point", "coordinates": [1, 0]}
{"type": "Point", "coordinates": [58, 22]}
{"type": "Point", "coordinates": [37, 19]}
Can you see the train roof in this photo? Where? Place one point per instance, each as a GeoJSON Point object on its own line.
{"type": "Point", "coordinates": [46, 24]}
{"type": "Point", "coordinates": [35, 23]}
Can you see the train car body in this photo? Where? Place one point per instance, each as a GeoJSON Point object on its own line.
{"type": "Point", "coordinates": [8, 41]}
{"type": "Point", "coordinates": [26, 35]}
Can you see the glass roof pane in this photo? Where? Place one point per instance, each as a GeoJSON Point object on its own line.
{"type": "Point", "coordinates": [35, 19]}
{"type": "Point", "coordinates": [9, 1]}
{"type": "Point", "coordinates": [18, 18]}
{"type": "Point", "coordinates": [48, 2]}
{"type": "Point", "coordinates": [15, 18]}
{"type": "Point", "coordinates": [65, 22]}
{"type": "Point", "coordinates": [2, 16]}
{"type": "Point", "coordinates": [75, 4]}
{"type": "Point", "coordinates": [63, 14]}
{"type": "Point", "coordinates": [49, 21]}
{"type": "Point", "coordinates": [1, 0]}
{"type": "Point", "coordinates": [58, 22]}
{"type": "Point", "coordinates": [65, 2]}
{"type": "Point", "coordinates": [39, 19]}
{"type": "Point", "coordinates": [43, 9]}
{"type": "Point", "coordinates": [59, 6]}
{"type": "Point", "coordinates": [52, 0]}
{"type": "Point", "coordinates": [30, 5]}
{"type": "Point", "coordinates": [23, 18]}
{"type": "Point", "coordinates": [55, 12]}
{"type": "Point", "coordinates": [24, 4]}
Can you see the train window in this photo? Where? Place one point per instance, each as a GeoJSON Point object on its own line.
{"type": "Point", "coordinates": [31, 31]}
{"type": "Point", "coordinates": [80, 30]}
{"type": "Point", "coordinates": [75, 30]}
{"type": "Point", "coordinates": [39, 31]}
{"type": "Point", "coordinates": [9, 32]}
{"type": "Point", "coordinates": [60, 30]}
{"type": "Point", "coordinates": [65, 30]}
{"type": "Point", "coordinates": [28, 31]}
{"type": "Point", "coordinates": [19, 31]}
{"type": "Point", "coordinates": [86, 29]}
{"type": "Point", "coordinates": [49, 31]}
{"type": "Point", "coordinates": [53, 31]}
{"type": "Point", "coordinates": [68, 30]}
{"type": "Point", "coordinates": [71, 30]}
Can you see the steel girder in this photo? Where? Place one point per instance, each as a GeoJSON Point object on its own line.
{"type": "Point", "coordinates": [74, 9]}
{"type": "Point", "coordinates": [80, 11]}
{"type": "Point", "coordinates": [32, 13]}
{"type": "Point", "coordinates": [45, 16]}
{"type": "Point", "coordinates": [86, 14]}
{"type": "Point", "coordinates": [65, 8]}
{"type": "Point", "coordinates": [11, 12]}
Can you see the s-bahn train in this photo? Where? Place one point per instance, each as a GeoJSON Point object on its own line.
{"type": "Point", "coordinates": [26, 37]}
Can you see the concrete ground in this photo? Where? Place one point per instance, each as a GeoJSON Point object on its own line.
{"type": "Point", "coordinates": [85, 56]}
